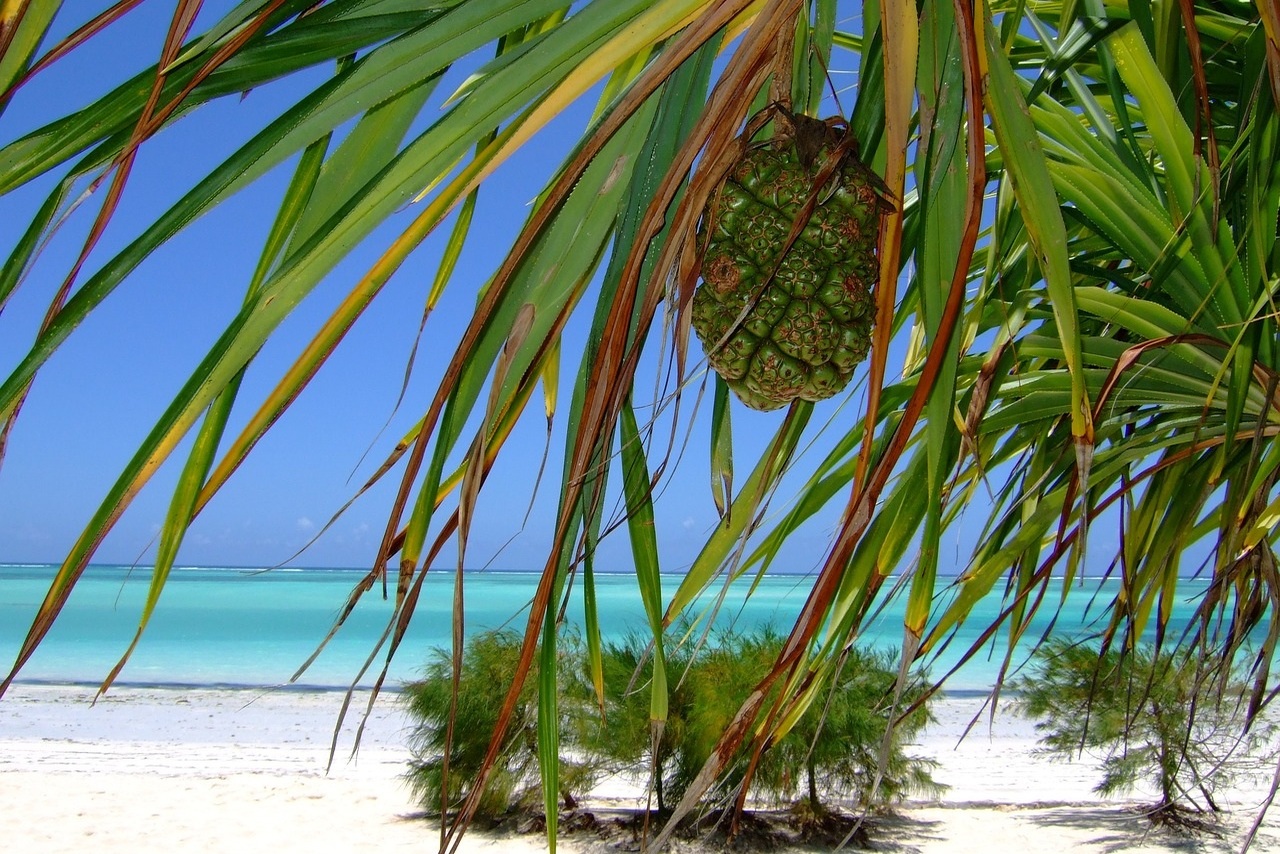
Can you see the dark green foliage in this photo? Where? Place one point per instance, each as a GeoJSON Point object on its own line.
{"type": "Point", "coordinates": [708, 692]}
{"type": "Point", "coordinates": [622, 739]}
{"type": "Point", "coordinates": [837, 742]}
{"type": "Point", "coordinates": [489, 659]}
{"type": "Point", "coordinates": [717, 683]}
{"type": "Point", "coordinates": [1159, 718]}
{"type": "Point", "coordinates": [831, 753]}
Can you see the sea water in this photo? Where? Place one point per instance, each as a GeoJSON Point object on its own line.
{"type": "Point", "coordinates": [244, 627]}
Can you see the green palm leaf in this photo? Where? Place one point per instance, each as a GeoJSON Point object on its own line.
{"type": "Point", "coordinates": [1075, 308]}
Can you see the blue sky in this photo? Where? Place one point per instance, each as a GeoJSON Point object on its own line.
{"type": "Point", "coordinates": [96, 399]}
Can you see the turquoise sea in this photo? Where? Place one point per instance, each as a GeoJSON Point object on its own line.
{"type": "Point", "coordinates": [245, 627]}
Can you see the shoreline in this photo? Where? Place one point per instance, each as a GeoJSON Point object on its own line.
{"type": "Point", "coordinates": [213, 769]}
{"type": "Point", "coordinates": [390, 689]}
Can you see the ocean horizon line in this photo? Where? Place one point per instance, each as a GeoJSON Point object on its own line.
{"type": "Point", "coordinates": [488, 570]}
{"type": "Point", "coordinates": [258, 569]}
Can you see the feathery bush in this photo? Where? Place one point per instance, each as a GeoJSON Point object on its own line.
{"type": "Point", "coordinates": [488, 661]}
{"type": "Point", "coordinates": [832, 751]}
{"type": "Point", "coordinates": [1157, 717]}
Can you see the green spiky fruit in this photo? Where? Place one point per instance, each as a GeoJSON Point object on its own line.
{"type": "Point", "coordinates": [782, 323]}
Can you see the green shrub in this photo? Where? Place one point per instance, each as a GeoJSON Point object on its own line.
{"type": "Point", "coordinates": [1156, 718]}
{"type": "Point", "coordinates": [514, 784]}
{"type": "Point", "coordinates": [706, 693]}
{"type": "Point", "coordinates": [837, 742]}
{"type": "Point", "coordinates": [621, 738]}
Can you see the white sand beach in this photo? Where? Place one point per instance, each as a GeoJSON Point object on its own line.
{"type": "Point", "coordinates": [149, 769]}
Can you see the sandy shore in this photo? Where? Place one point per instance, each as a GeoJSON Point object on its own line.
{"type": "Point", "coordinates": [244, 771]}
